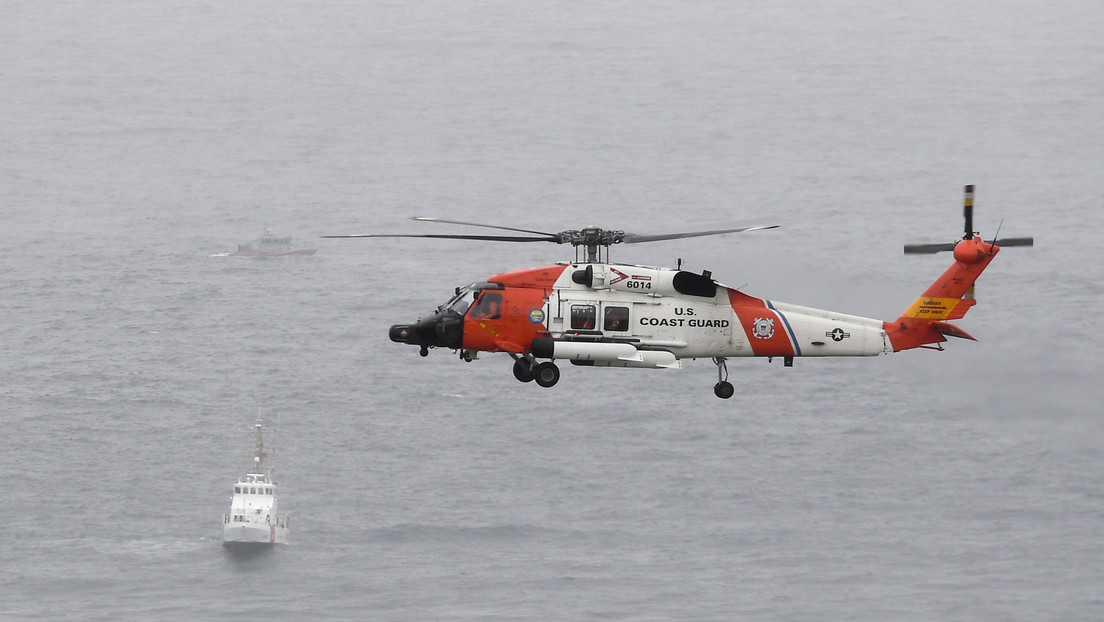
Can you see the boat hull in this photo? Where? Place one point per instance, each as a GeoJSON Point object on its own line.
{"type": "Point", "coordinates": [260, 254]}
{"type": "Point", "coordinates": [252, 535]}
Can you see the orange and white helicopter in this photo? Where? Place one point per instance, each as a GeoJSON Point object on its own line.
{"type": "Point", "coordinates": [592, 312]}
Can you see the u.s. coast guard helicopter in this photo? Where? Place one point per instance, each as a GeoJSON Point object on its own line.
{"type": "Point", "coordinates": [595, 313]}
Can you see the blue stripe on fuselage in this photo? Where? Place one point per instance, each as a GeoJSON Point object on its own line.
{"type": "Point", "coordinates": [789, 330]}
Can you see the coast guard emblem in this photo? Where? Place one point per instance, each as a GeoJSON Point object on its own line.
{"type": "Point", "coordinates": [764, 328]}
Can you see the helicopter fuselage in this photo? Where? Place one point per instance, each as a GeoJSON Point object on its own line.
{"type": "Point", "coordinates": [618, 315]}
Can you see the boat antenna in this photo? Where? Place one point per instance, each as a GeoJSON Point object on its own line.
{"type": "Point", "coordinates": [258, 448]}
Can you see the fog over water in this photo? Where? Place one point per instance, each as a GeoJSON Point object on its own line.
{"type": "Point", "coordinates": [140, 139]}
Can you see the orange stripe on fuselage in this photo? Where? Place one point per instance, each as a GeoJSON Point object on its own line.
{"type": "Point", "coordinates": [521, 318]}
{"type": "Point", "coordinates": [765, 328]}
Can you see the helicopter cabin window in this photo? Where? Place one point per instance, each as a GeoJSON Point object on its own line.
{"type": "Point", "coordinates": [488, 307]}
{"type": "Point", "coordinates": [582, 317]}
{"type": "Point", "coordinates": [616, 319]}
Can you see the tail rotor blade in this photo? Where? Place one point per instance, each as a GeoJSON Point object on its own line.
{"type": "Point", "coordinates": [968, 221]}
{"type": "Point", "coordinates": [968, 212]}
{"type": "Point", "coordinates": [1015, 242]}
{"type": "Point", "coordinates": [928, 249]}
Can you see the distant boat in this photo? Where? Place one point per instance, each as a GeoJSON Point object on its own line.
{"type": "Point", "coordinates": [254, 520]}
{"type": "Point", "coordinates": [272, 245]}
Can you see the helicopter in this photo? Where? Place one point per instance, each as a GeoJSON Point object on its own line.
{"type": "Point", "coordinates": [594, 313]}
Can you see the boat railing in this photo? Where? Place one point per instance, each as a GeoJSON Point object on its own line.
{"type": "Point", "coordinates": [281, 520]}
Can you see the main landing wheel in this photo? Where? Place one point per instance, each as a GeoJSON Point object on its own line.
{"type": "Point", "coordinates": [547, 374]}
{"type": "Point", "coordinates": [724, 389]}
{"type": "Point", "coordinates": [523, 371]}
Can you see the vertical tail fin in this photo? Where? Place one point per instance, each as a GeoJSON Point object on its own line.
{"type": "Point", "coordinates": [952, 295]}
{"type": "Point", "coordinates": [948, 298]}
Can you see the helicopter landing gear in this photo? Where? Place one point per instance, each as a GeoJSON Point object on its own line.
{"type": "Point", "coordinates": [524, 370]}
{"type": "Point", "coordinates": [525, 366]}
{"type": "Point", "coordinates": [723, 389]}
{"type": "Point", "coordinates": [546, 374]}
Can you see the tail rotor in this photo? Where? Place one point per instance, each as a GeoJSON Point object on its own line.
{"type": "Point", "coordinates": [969, 233]}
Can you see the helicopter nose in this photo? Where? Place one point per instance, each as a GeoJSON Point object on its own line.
{"type": "Point", "coordinates": [444, 330]}
{"type": "Point", "coordinates": [401, 333]}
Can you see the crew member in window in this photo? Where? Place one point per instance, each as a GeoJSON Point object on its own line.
{"type": "Point", "coordinates": [489, 307]}
{"type": "Point", "coordinates": [616, 319]}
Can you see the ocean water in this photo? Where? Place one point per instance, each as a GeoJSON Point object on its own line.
{"type": "Point", "coordinates": [140, 139]}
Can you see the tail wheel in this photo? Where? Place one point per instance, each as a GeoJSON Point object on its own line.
{"type": "Point", "coordinates": [523, 370]}
{"type": "Point", "coordinates": [547, 374]}
{"type": "Point", "coordinates": [724, 389]}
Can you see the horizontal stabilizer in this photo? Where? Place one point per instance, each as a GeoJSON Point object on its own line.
{"type": "Point", "coordinates": [951, 330]}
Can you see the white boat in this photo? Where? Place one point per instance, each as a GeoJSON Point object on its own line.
{"type": "Point", "coordinates": [254, 520]}
{"type": "Point", "coordinates": [272, 245]}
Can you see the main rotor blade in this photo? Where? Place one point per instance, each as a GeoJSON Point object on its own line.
{"type": "Point", "coordinates": [476, 224]}
{"type": "Point", "coordinates": [633, 238]}
{"type": "Point", "coordinates": [446, 236]}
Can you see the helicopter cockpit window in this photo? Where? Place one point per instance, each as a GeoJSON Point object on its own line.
{"type": "Point", "coordinates": [488, 307]}
{"type": "Point", "coordinates": [582, 317]}
{"type": "Point", "coordinates": [459, 301]}
{"type": "Point", "coordinates": [616, 318]}
{"type": "Point", "coordinates": [463, 297]}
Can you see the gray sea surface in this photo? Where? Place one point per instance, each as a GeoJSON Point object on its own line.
{"type": "Point", "coordinates": [139, 139]}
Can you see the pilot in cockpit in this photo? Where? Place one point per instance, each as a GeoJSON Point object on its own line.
{"type": "Point", "coordinates": [488, 307]}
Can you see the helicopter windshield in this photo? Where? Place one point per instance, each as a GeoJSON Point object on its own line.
{"type": "Point", "coordinates": [464, 296]}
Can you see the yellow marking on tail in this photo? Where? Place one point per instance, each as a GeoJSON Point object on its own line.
{"type": "Point", "coordinates": [932, 308]}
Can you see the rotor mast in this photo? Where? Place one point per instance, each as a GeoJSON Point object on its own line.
{"type": "Point", "coordinates": [592, 238]}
